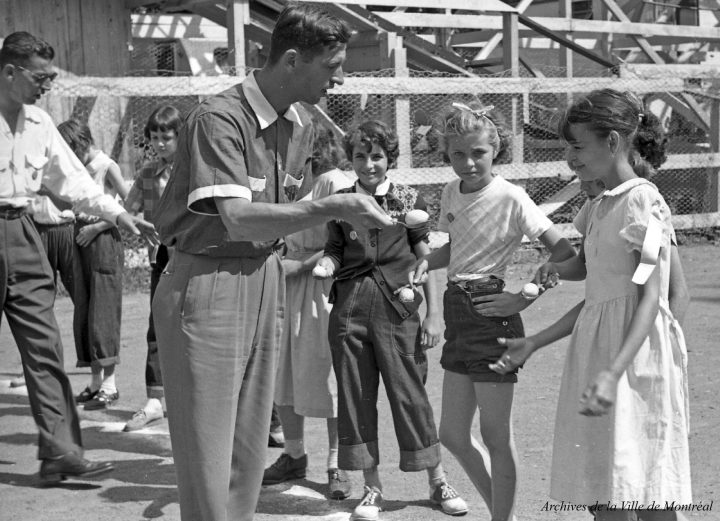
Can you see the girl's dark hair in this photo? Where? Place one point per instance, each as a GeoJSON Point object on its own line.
{"type": "Point", "coordinates": [77, 135]}
{"type": "Point", "coordinates": [606, 110]}
{"type": "Point", "coordinates": [307, 28]}
{"type": "Point", "coordinates": [162, 119]}
{"type": "Point", "coordinates": [456, 121]}
{"type": "Point", "coordinates": [369, 133]}
{"type": "Point", "coordinates": [20, 46]}
{"type": "Point", "coordinates": [327, 152]}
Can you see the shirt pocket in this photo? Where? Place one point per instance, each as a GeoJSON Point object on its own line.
{"type": "Point", "coordinates": [34, 165]}
{"type": "Point", "coordinates": [257, 187]}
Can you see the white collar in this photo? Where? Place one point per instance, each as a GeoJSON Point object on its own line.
{"type": "Point", "coordinates": [624, 187]}
{"type": "Point", "coordinates": [265, 112]}
{"type": "Point", "coordinates": [381, 190]}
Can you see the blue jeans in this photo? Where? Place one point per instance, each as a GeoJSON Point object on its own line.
{"type": "Point", "coordinates": [368, 339]}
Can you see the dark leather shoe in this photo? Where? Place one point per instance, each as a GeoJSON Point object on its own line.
{"type": "Point", "coordinates": [102, 400]}
{"type": "Point", "coordinates": [71, 466]}
{"type": "Point", "coordinates": [86, 395]}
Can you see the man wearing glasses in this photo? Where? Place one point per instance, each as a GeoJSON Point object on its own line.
{"type": "Point", "coordinates": [32, 153]}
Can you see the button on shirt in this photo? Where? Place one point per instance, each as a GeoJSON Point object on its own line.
{"type": "Point", "coordinates": [233, 145]}
{"type": "Point", "coordinates": [386, 255]}
{"type": "Point", "coordinates": [37, 155]}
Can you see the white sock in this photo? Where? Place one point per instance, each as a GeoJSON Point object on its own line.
{"type": "Point", "coordinates": [153, 404]}
{"type": "Point", "coordinates": [96, 379]}
{"type": "Point", "coordinates": [295, 448]}
{"type": "Point", "coordinates": [108, 384]}
{"type": "Point", "coordinates": [332, 460]}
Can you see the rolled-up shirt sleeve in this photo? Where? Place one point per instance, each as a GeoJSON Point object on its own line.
{"type": "Point", "coordinates": [218, 166]}
{"type": "Point", "coordinates": [66, 177]}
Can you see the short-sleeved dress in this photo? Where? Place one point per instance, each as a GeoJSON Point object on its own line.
{"type": "Point", "coordinates": [639, 451]}
{"type": "Point", "coordinates": [305, 377]}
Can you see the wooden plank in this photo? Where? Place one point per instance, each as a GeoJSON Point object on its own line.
{"type": "Point", "coordinates": [653, 71]}
{"type": "Point", "coordinates": [581, 28]}
{"type": "Point", "coordinates": [495, 40]}
{"type": "Point", "coordinates": [511, 44]}
{"type": "Point", "coordinates": [486, 6]}
{"type": "Point", "coordinates": [238, 16]}
{"type": "Point", "coordinates": [192, 86]}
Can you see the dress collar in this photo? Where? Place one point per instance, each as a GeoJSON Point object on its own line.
{"type": "Point", "coordinates": [381, 190]}
{"type": "Point", "coordinates": [264, 111]}
{"type": "Point", "coordinates": [624, 187]}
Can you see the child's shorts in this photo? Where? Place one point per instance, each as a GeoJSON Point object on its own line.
{"type": "Point", "coordinates": [471, 339]}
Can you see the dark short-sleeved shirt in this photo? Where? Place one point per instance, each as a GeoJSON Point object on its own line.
{"type": "Point", "coordinates": [385, 255]}
{"type": "Point", "coordinates": [233, 145]}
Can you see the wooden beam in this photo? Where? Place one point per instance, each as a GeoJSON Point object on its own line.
{"type": "Point", "coordinates": [495, 40]}
{"type": "Point", "coordinates": [651, 71]}
{"type": "Point", "coordinates": [584, 28]}
{"type": "Point", "coordinates": [238, 16]}
{"type": "Point", "coordinates": [511, 44]}
{"type": "Point", "coordinates": [544, 31]}
{"type": "Point", "coordinates": [197, 85]}
{"type": "Point", "coordinates": [485, 6]}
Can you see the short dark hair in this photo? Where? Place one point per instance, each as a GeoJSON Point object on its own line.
{"type": "Point", "coordinates": [327, 152]}
{"type": "Point", "coordinates": [307, 28]}
{"type": "Point", "coordinates": [162, 119]}
{"type": "Point", "coordinates": [20, 46]}
{"type": "Point", "coordinates": [373, 132]}
{"type": "Point", "coordinates": [77, 135]}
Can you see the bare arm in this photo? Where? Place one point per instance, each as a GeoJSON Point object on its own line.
{"type": "Point", "coordinates": [679, 296]}
{"type": "Point", "coordinates": [115, 179]}
{"type": "Point", "coordinates": [248, 221]}
{"type": "Point", "coordinates": [432, 325]}
{"type": "Point", "coordinates": [439, 258]}
{"type": "Point", "coordinates": [600, 394]}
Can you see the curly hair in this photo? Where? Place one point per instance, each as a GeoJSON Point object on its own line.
{"type": "Point", "coordinates": [370, 133]}
{"type": "Point", "coordinates": [456, 120]}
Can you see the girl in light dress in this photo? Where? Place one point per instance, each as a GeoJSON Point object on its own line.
{"type": "Point", "coordinates": [621, 431]}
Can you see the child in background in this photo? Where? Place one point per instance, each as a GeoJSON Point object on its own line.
{"type": "Point", "coordinates": [372, 332]}
{"type": "Point", "coordinates": [621, 431]}
{"type": "Point", "coordinates": [99, 258]}
{"type": "Point", "coordinates": [306, 384]}
{"type": "Point", "coordinates": [486, 218]}
{"type": "Point", "coordinates": [161, 131]}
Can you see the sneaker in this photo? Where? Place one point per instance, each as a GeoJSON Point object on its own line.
{"type": "Point", "coordinates": [86, 395]}
{"type": "Point", "coordinates": [141, 418]}
{"type": "Point", "coordinates": [285, 469]}
{"type": "Point", "coordinates": [101, 400]}
{"type": "Point", "coordinates": [448, 500]}
{"type": "Point", "coordinates": [370, 507]}
{"type": "Point", "coordinates": [338, 484]}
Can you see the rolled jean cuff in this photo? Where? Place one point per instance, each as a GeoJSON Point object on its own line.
{"type": "Point", "coordinates": [358, 457]}
{"type": "Point", "coordinates": [155, 392]}
{"type": "Point", "coordinates": [416, 460]}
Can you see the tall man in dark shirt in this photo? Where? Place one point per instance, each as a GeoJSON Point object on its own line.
{"type": "Point", "coordinates": [217, 309]}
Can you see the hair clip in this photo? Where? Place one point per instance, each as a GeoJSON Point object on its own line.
{"type": "Point", "coordinates": [479, 113]}
{"type": "Point", "coordinates": [641, 116]}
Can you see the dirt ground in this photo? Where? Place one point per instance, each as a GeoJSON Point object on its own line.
{"type": "Point", "coordinates": [142, 486]}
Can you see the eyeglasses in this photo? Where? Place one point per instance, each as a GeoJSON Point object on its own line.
{"type": "Point", "coordinates": [40, 77]}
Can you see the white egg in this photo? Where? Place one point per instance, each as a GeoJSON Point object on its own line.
{"type": "Point", "coordinates": [530, 290]}
{"type": "Point", "coordinates": [407, 295]}
{"type": "Point", "coordinates": [320, 272]}
{"type": "Point", "coordinates": [416, 218]}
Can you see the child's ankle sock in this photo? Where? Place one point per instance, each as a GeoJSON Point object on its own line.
{"type": "Point", "coordinates": [153, 405]}
{"type": "Point", "coordinates": [436, 476]}
{"type": "Point", "coordinates": [295, 448]}
{"type": "Point", "coordinates": [332, 459]}
{"type": "Point", "coordinates": [96, 379]}
{"type": "Point", "coordinates": [108, 384]}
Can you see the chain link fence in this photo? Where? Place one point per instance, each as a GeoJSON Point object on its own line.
{"type": "Point", "coordinates": [117, 109]}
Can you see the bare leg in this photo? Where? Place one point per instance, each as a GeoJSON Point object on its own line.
{"type": "Point", "coordinates": [293, 427]}
{"type": "Point", "coordinates": [458, 409]}
{"type": "Point", "coordinates": [495, 403]}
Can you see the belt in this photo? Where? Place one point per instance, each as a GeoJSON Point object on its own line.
{"type": "Point", "coordinates": [484, 285]}
{"type": "Point", "coordinates": [12, 212]}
